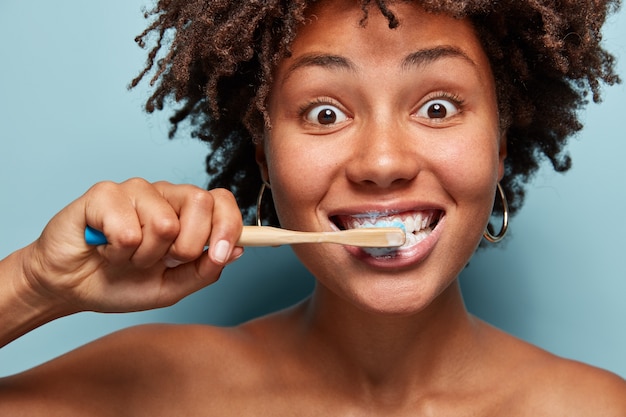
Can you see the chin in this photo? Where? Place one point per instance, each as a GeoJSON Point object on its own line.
{"type": "Point", "coordinates": [394, 297]}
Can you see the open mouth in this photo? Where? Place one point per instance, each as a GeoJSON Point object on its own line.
{"type": "Point", "coordinates": [417, 225]}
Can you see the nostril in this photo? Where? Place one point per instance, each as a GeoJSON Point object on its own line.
{"type": "Point", "coordinates": [382, 171]}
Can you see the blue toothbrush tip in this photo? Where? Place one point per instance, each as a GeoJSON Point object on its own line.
{"type": "Point", "coordinates": [94, 237]}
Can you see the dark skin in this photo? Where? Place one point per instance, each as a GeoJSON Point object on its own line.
{"type": "Point", "coordinates": [157, 370]}
{"type": "Point", "coordinates": [386, 336]}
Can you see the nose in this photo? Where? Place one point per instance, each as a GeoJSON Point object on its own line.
{"type": "Point", "coordinates": [384, 154]}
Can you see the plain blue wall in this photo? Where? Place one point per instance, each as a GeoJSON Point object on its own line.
{"type": "Point", "coordinates": [67, 121]}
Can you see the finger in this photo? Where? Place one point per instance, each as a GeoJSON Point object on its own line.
{"type": "Point", "coordinates": [194, 207]}
{"type": "Point", "coordinates": [159, 222]}
{"type": "Point", "coordinates": [227, 225]}
{"type": "Point", "coordinates": [109, 209]}
{"type": "Point", "coordinates": [191, 277]}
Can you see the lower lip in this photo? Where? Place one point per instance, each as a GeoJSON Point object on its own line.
{"type": "Point", "coordinates": [403, 257]}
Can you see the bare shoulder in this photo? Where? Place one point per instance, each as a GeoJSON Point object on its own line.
{"type": "Point", "coordinates": [543, 384]}
{"type": "Point", "coordinates": [576, 389]}
{"type": "Point", "coordinates": [164, 353]}
{"type": "Point", "coordinates": [126, 370]}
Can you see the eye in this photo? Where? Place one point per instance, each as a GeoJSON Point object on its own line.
{"type": "Point", "coordinates": [438, 109]}
{"type": "Point", "coordinates": [325, 115]}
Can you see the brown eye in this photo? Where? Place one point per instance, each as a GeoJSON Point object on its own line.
{"type": "Point", "coordinates": [325, 115]}
{"type": "Point", "coordinates": [438, 109]}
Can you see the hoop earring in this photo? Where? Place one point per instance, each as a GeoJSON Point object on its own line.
{"type": "Point", "coordinates": [259, 201]}
{"type": "Point", "coordinates": [505, 220]}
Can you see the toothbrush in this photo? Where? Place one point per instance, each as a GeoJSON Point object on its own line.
{"type": "Point", "coordinates": [371, 237]}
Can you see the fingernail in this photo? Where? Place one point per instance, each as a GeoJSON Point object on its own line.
{"type": "Point", "coordinates": [221, 251]}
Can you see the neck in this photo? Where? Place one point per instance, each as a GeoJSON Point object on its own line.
{"type": "Point", "coordinates": [392, 351]}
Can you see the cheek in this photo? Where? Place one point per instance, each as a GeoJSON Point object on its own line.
{"type": "Point", "coordinates": [300, 176]}
{"type": "Point", "coordinates": [469, 169]}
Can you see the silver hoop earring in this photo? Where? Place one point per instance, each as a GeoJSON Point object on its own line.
{"type": "Point", "coordinates": [259, 201]}
{"type": "Point", "coordinates": [505, 220]}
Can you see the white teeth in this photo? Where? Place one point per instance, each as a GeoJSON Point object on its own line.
{"type": "Point", "coordinates": [416, 226]}
{"type": "Point", "coordinates": [411, 223]}
{"type": "Point", "coordinates": [380, 252]}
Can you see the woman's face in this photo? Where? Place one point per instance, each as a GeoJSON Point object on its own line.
{"type": "Point", "coordinates": [372, 126]}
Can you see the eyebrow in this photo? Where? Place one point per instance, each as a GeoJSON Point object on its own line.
{"type": "Point", "coordinates": [429, 55]}
{"type": "Point", "coordinates": [418, 58]}
{"type": "Point", "coordinates": [320, 60]}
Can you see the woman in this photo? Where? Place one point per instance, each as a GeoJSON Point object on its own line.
{"type": "Point", "coordinates": [353, 122]}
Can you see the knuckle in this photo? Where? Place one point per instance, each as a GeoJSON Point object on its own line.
{"type": "Point", "coordinates": [223, 193]}
{"type": "Point", "coordinates": [129, 238]}
{"type": "Point", "coordinates": [162, 183]}
{"type": "Point", "coordinates": [136, 182]}
{"type": "Point", "coordinates": [228, 202]}
{"type": "Point", "coordinates": [166, 227]}
{"type": "Point", "coordinates": [103, 187]}
{"type": "Point", "coordinates": [201, 198]}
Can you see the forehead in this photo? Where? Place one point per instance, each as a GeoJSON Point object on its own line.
{"type": "Point", "coordinates": [339, 28]}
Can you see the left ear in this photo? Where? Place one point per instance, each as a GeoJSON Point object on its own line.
{"type": "Point", "coordinates": [261, 160]}
{"type": "Point", "coordinates": [501, 156]}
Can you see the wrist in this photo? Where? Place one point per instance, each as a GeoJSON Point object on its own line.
{"type": "Point", "coordinates": [24, 303]}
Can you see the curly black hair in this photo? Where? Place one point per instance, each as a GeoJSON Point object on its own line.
{"type": "Point", "coordinates": [215, 59]}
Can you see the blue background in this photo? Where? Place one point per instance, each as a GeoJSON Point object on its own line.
{"type": "Point", "coordinates": [67, 121]}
